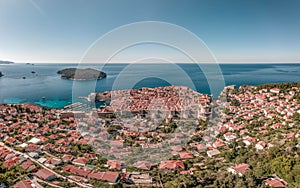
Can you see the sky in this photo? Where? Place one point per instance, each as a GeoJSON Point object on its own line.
{"type": "Point", "coordinates": [62, 31]}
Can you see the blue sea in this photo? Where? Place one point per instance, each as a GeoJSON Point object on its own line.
{"type": "Point", "coordinates": [45, 87]}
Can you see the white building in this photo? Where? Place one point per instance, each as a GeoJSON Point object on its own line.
{"type": "Point", "coordinates": [35, 141]}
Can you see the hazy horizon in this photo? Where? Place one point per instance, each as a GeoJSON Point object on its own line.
{"type": "Point", "coordinates": [234, 31]}
{"type": "Point", "coordinates": [156, 62]}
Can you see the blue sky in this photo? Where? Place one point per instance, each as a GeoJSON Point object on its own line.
{"type": "Point", "coordinates": [234, 30]}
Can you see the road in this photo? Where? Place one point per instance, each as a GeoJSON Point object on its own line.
{"type": "Point", "coordinates": [50, 155]}
{"type": "Point", "coordinates": [36, 183]}
{"type": "Point", "coordinates": [34, 160]}
{"type": "Point", "coordinates": [37, 180]}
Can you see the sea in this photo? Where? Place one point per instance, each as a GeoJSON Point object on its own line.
{"type": "Point", "coordinates": [40, 84]}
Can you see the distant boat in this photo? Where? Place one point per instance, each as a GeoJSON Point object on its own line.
{"type": "Point", "coordinates": [32, 72]}
{"type": "Point", "coordinates": [24, 77]}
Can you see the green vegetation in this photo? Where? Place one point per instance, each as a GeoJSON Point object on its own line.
{"type": "Point", "coordinates": [101, 184]}
{"type": "Point", "coordinates": [281, 86]}
{"type": "Point", "coordinates": [168, 127]}
{"type": "Point", "coordinates": [113, 129]}
{"type": "Point", "coordinates": [10, 176]}
{"type": "Point", "coordinates": [81, 74]}
{"type": "Point", "coordinates": [235, 102]}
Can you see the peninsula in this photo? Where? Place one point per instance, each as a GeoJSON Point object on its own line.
{"type": "Point", "coordinates": [170, 99]}
{"type": "Point", "coordinates": [81, 74]}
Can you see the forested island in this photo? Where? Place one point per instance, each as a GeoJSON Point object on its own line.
{"type": "Point", "coordinates": [81, 74]}
{"type": "Point", "coordinates": [6, 62]}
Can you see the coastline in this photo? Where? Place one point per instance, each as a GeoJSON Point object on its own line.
{"type": "Point", "coordinates": [46, 83]}
{"type": "Point", "coordinates": [92, 97]}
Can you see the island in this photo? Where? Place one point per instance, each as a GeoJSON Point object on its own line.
{"type": "Point", "coordinates": [81, 74]}
{"type": "Point", "coordinates": [6, 62]}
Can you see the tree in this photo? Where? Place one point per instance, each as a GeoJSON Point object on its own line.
{"type": "Point", "coordinates": [282, 166]}
{"type": "Point", "coordinates": [296, 117]}
{"type": "Point", "coordinates": [240, 183]}
{"type": "Point", "coordinates": [182, 181]}
{"type": "Point", "coordinates": [235, 102]}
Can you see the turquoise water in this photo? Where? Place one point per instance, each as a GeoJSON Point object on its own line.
{"type": "Point", "coordinates": [46, 88]}
{"type": "Point", "coordinates": [53, 103]}
{"type": "Point", "coordinates": [13, 100]}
